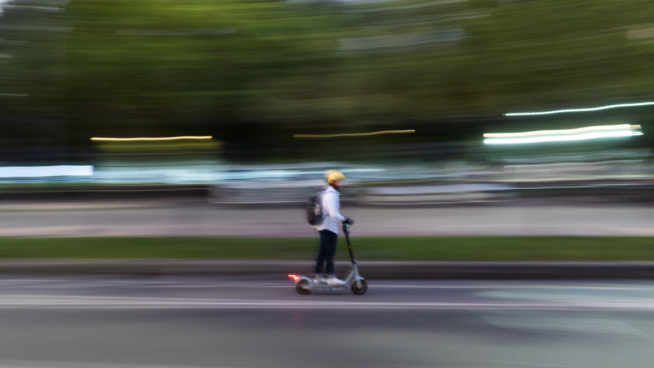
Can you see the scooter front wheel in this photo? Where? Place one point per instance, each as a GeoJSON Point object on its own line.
{"type": "Point", "coordinates": [303, 287]}
{"type": "Point", "coordinates": [360, 290]}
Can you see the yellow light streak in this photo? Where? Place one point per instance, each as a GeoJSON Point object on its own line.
{"type": "Point", "coordinates": [602, 128]}
{"type": "Point", "coordinates": [149, 139]}
{"type": "Point", "coordinates": [353, 134]}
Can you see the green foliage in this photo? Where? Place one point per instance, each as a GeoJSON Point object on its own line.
{"type": "Point", "coordinates": [157, 67]}
{"type": "Point", "coordinates": [425, 248]}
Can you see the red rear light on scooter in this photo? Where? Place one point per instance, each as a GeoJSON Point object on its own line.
{"type": "Point", "coordinates": [294, 277]}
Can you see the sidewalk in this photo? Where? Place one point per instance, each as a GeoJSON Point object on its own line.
{"type": "Point", "coordinates": [370, 270]}
{"type": "Point", "coordinates": [91, 205]}
{"type": "Point", "coordinates": [184, 218]}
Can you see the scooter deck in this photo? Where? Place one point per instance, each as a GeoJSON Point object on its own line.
{"type": "Point", "coordinates": [322, 286]}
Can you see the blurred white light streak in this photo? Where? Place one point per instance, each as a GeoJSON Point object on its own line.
{"type": "Point", "coordinates": [403, 7]}
{"type": "Point", "coordinates": [45, 171]}
{"type": "Point", "coordinates": [9, 42]}
{"type": "Point", "coordinates": [580, 110]}
{"type": "Point", "coordinates": [365, 2]}
{"type": "Point", "coordinates": [398, 25]}
{"type": "Point", "coordinates": [37, 28]}
{"type": "Point", "coordinates": [564, 131]}
{"type": "Point", "coordinates": [639, 34]}
{"type": "Point", "coordinates": [165, 32]}
{"type": "Point", "coordinates": [31, 7]}
{"type": "Point", "coordinates": [442, 36]}
{"type": "Point", "coordinates": [3, 6]}
{"type": "Point", "coordinates": [150, 139]}
{"type": "Point", "coordinates": [563, 138]}
{"type": "Point", "coordinates": [353, 134]}
{"type": "Point", "coordinates": [13, 95]}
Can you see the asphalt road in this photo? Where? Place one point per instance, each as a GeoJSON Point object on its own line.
{"type": "Point", "coordinates": [247, 323]}
{"type": "Point", "coordinates": [157, 218]}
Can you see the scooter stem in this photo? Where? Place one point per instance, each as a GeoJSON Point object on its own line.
{"type": "Point", "coordinates": [346, 231]}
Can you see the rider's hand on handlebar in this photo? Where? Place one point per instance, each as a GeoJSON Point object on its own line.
{"type": "Point", "coordinates": [348, 221]}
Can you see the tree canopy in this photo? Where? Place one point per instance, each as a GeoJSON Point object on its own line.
{"type": "Point", "coordinates": [72, 70]}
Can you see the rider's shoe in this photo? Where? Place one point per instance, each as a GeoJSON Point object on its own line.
{"type": "Point", "coordinates": [332, 280]}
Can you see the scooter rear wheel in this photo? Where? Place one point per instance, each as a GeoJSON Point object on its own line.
{"type": "Point", "coordinates": [303, 288]}
{"type": "Point", "coordinates": [360, 290]}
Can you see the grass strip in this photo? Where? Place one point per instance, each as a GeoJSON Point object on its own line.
{"type": "Point", "coordinates": [415, 248]}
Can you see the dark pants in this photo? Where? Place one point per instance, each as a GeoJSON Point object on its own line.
{"type": "Point", "coordinates": [327, 251]}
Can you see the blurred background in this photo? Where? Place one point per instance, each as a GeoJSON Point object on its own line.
{"type": "Point", "coordinates": [270, 94]}
{"type": "Point", "coordinates": [155, 156]}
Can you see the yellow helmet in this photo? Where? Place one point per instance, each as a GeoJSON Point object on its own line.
{"type": "Point", "coordinates": [334, 175]}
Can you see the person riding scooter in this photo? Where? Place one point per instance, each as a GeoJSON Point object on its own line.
{"type": "Point", "coordinates": [328, 230]}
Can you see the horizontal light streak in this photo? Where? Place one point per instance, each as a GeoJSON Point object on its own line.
{"type": "Point", "coordinates": [404, 7]}
{"type": "Point", "coordinates": [439, 36]}
{"type": "Point", "coordinates": [564, 131]}
{"type": "Point", "coordinates": [181, 32]}
{"type": "Point", "coordinates": [580, 110]}
{"type": "Point", "coordinates": [353, 134]}
{"type": "Point", "coordinates": [45, 171]}
{"type": "Point", "coordinates": [149, 139]}
{"type": "Point", "coordinates": [563, 138]}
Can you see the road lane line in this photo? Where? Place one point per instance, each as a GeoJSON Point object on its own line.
{"type": "Point", "coordinates": [74, 284]}
{"type": "Point", "coordinates": [500, 286]}
{"type": "Point", "coordinates": [4, 363]}
{"type": "Point", "coordinates": [94, 302]}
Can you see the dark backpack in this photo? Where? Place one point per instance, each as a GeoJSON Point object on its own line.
{"type": "Point", "coordinates": [313, 208]}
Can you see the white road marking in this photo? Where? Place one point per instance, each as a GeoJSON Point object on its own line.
{"type": "Point", "coordinates": [508, 286]}
{"type": "Point", "coordinates": [219, 286]}
{"type": "Point", "coordinates": [13, 281]}
{"type": "Point", "coordinates": [95, 302]}
{"type": "Point", "coordinates": [161, 284]}
{"type": "Point", "coordinates": [558, 324]}
{"type": "Point", "coordinates": [517, 364]}
{"type": "Point", "coordinates": [93, 285]}
{"type": "Point", "coordinates": [72, 284]}
{"type": "Point", "coordinates": [65, 364]}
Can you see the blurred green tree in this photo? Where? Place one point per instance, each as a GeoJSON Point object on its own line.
{"type": "Point", "coordinates": [262, 69]}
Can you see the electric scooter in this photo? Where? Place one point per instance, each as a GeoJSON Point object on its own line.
{"type": "Point", "coordinates": [305, 285]}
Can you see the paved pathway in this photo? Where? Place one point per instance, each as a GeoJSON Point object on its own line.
{"type": "Point", "coordinates": [246, 323]}
{"type": "Point", "coordinates": [199, 219]}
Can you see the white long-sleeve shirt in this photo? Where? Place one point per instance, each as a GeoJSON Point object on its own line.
{"type": "Point", "coordinates": [331, 206]}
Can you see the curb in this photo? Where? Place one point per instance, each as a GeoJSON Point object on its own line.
{"type": "Point", "coordinates": [371, 270]}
